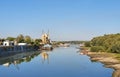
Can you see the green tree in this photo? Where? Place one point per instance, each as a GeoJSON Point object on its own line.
{"type": "Point", "coordinates": [37, 42]}
{"type": "Point", "coordinates": [97, 49]}
{"type": "Point", "coordinates": [110, 42]}
{"type": "Point", "coordinates": [10, 38]}
{"type": "Point", "coordinates": [87, 44]}
{"type": "Point", "coordinates": [20, 38]}
{"type": "Point", "coordinates": [1, 41]}
{"type": "Point", "coordinates": [115, 48]}
{"type": "Point", "coordinates": [27, 39]}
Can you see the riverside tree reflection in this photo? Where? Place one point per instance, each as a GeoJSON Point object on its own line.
{"type": "Point", "coordinates": [18, 58]}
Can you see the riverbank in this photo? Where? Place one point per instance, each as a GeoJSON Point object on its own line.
{"type": "Point", "coordinates": [109, 59]}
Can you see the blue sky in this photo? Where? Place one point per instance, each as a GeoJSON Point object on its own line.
{"type": "Point", "coordinates": [65, 19]}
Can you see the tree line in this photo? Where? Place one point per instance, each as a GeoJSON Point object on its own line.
{"type": "Point", "coordinates": [23, 39]}
{"type": "Point", "coordinates": [106, 43]}
{"type": "Point", "coordinates": [71, 42]}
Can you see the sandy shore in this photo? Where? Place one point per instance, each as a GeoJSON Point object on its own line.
{"type": "Point", "coordinates": [108, 59]}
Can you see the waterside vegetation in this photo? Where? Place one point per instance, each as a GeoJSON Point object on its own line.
{"type": "Point", "coordinates": [22, 39]}
{"type": "Point", "coordinates": [106, 43]}
{"type": "Point", "coordinates": [106, 49]}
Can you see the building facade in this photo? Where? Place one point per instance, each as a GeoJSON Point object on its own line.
{"type": "Point", "coordinates": [8, 43]}
{"type": "Point", "coordinates": [45, 39]}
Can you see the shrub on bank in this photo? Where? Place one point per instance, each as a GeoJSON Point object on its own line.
{"type": "Point", "coordinates": [115, 48]}
{"type": "Point", "coordinates": [87, 44]}
{"type": "Point", "coordinates": [97, 49]}
{"type": "Point", "coordinates": [108, 43]}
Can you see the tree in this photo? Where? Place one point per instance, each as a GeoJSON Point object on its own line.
{"type": "Point", "coordinates": [37, 42]}
{"type": "Point", "coordinates": [87, 44]}
{"type": "Point", "coordinates": [20, 38]}
{"type": "Point", "coordinates": [27, 39]}
{"type": "Point", "coordinates": [1, 41]}
{"type": "Point", "coordinates": [10, 38]}
{"type": "Point", "coordinates": [97, 49]}
{"type": "Point", "coordinates": [115, 48]}
{"type": "Point", "coordinates": [110, 43]}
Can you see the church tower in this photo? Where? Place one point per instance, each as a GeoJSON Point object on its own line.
{"type": "Point", "coordinates": [45, 38]}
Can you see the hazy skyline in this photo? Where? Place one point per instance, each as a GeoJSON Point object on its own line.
{"type": "Point", "coordinates": [65, 19]}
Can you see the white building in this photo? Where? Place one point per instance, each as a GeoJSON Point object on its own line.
{"type": "Point", "coordinates": [22, 44]}
{"type": "Point", "coordinates": [8, 43]}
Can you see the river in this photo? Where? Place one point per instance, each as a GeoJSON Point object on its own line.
{"type": "Point", "coordinates": [60, 62]}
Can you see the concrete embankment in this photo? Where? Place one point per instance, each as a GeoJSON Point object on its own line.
{"type": "Point", "coordinates": [18, 58]}
{"type": "Point", "coordinates": [8, 50]}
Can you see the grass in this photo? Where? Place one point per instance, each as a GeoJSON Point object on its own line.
{"type": "Point", "coordinates": [117, 56]}
{"type": "Point", "coordinates": [86, 48]}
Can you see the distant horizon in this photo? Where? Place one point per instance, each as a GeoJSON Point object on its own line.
{"type": "Point", "coordinates": [65, 19]}
{"type": "Point", "coordinates": [58, 40]}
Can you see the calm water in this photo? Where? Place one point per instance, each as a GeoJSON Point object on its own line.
{"type": "Point", "coordinates": [61, 62]}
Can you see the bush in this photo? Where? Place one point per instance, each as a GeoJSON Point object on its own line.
{"type": "Point", "coordinates": [97, 49]}
{"type": "Point", "coordinates": [108, 43]}
{"type": "Point", "coordinates": [87, 44]}
{"type": "Point", "coordinates": [115, 48]}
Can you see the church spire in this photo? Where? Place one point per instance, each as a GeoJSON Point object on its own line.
{"type": "Point", "coordinates": [48, 32]}
{"type": "Point", "coordinates": [42, 31]}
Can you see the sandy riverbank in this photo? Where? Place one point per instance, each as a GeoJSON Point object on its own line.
{"type": "Point", "coordinates": [108, 59]}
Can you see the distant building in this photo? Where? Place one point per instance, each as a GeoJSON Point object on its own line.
{"type": "Point", "coordinates": [12, 43]}
{"type": "Point", "coordinates": [15, 42]}
{"type": "Point", "coordinates": [45, 39]}
{"type": "Point", "coordinates": [22, 44]}
{"type": "Point", "coordinates": [8, 43]}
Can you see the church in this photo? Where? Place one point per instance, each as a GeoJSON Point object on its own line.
{"type": "Point", "coordinates": [45, 38]}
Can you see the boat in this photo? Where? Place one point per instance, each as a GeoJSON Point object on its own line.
{"type": "Point", "coordinates": [47, 47]}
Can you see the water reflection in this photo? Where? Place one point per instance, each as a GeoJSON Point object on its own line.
{"type": "Point", "coordinates": [65, 62]}
{"type": "Point", "coordinates": [18, 58]}
{"type": "Point", "coordinates": [116, 73]}
{"type": "Point", "coordinates": [23, 57]}
{"type": "Point", "coordinates": [8, 64]}
{"type": "Point", "coordinates": [45, 57]}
